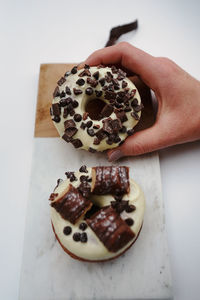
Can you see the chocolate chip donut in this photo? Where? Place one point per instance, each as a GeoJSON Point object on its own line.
{"type": "Point", "coordinates": [95, 108]}
{"type": "Point", "coordinates": [97, 213]}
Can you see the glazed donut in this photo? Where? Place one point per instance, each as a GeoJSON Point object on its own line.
{"type": "Point", "coordinates": [97, 213]}
{"type": "Point", "coordinates": [95, 108]}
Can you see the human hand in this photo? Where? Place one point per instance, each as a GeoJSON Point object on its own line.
{"type": "Point", "coordinates": [178, 95]}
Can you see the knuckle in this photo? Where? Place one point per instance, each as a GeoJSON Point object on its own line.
{"type": "Point", "coordinates": [123, 45]}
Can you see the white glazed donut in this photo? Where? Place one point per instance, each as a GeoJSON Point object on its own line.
{"type": "Point", "coordinates": [95, 108]}
{"type": "Point", "coordinates": [91, 222]}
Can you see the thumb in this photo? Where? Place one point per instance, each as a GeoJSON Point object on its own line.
{"type": "Point", "coordinates": [141, 142]}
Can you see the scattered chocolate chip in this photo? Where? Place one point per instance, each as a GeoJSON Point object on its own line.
{"type": "Point", "coordinates": [70, 132]}
{"type": "Point", "coordinates": [89, 91]}
{"type": "Point", "coordinates": [118, 197]}
{"type": "Point", "coordinates": [110, 87]}
{"type": "Point", "coordinates": [107, 110]}
{"type": "Point", "coordinates": [83, 126]}
{"type": "Point", "coordinates": [63, 102]}
{"type": "Point", "coordinates": [124, 84]}
{"type": "Point", "coordinates": [96, 141]}
{"type": "Point", "coordinates": [75, 103]}
{"type": "Point", "coordinates": [98, 93]}
{"type": "Point", "coordinates": [56, 109]}
{"type": "Point", "coordinates": [130, 208]}
{"type": "Point", "coordinates": [71, 176]}
{"type": "Point", "coordinates": [108, 79]}
{"type": "Point", "coordinates": [130, 131]}
{"type": "Point", "coordinates": [135, 115]}
{"type": "Point", "coordinates": [89, 124]}
{"type": "Point", "coordinates": [80, 82]}
{"type": "Point", "coordinates": [118, 105]}
{"type": "Point", "coordinates": [83, 237]}
{"type": "Point", "coordinates": [77, 143]}
{"type": "Point", "coordinates": [110, 95]}
{"type": "Point", "coordinates": [96, 75]}
{"type": "Point", "coordinates": [85, 115]}
{"type": "Point", "coordinates": [67, 230]}
{"type": "Point", "coordinates": [134, 102]}
{"type": "Point", "coordinates": [85, 72]}
{"type": "Point", "coordinates": [129, 221]}
{"type": "Point", "coordinates": [116, 125]}
{"type": "Point", "coordinates": [123, 129]}
{"type": "Point", "coordinates": [67, 73]}
{"type": "Point", "coordinates": [92, 150]}
{"type": "Point", "coordinates": [127, 109]}
{"type": "Point", "coordinates": [138, 108]}
{"type": "Point", "coordinates": [107, 126]}
{"type": "Point", "coordinates": [96, 126]}
{"type": "Point", "coordinates": [74, 70]}
{"type": "Point", "coordinates": [109, 141]}
{"type": "Point", "coordinates": [102, 81]}
{"type": "Point", "coordinates": [114, 70]}
{"type": "Point", "coordinates": [76, 236]}
{"type": "Point", "coordinates": [69, 124]}
{"type": "Point", "coordinates": [83, 226]}
{"type": "Point", "coordinates": [83, 178]}
{"type": "Point", "coordinates": [65, 112]}
{"type": "Point", "coordinates": [77, 91]}
{"type": "Point", "coordinates": [68, 91]}
{"type": "Point", "coordinates": [85, 189]}
{"type": "Point", "coordinates": [117, 139]}
{"type": "Point", "coordinates": [92, 82]}
{"type": "Point", "coordinates": [90, 131]}
{"type": "Point", "coordinates": [121, 115]}
{"type": "Point", "coordinates": [101, 134]}
{"type": "Point", "coordinates": [77, 117]}
{"type": "Point", "coordinates": [86, 66]}
{"type": "Point", "coordinates": [72, 112]}
{"type": "Point", "coordinates": [56, 119]}
{"type": "Point", "coordinates": [66, 138]}
{"type": "Point", "coordinates": [61, 81]}
{"type": "Point", "coordinates": [119, 100]}
{"type": "Point", "coordinates": [104, 88]}
{"type": "Point", "coordinates": [133, 92]}
{"type": "Point", "coordinates": [62, 94]}
{"type": "Point", "coordinates": [56, 92]}
{"type": "Point", "coordinates": [83, 169]}
{"type": "Point", "coordinates": [120, 206]}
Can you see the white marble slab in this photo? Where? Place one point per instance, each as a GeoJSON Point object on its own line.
{"type": "Point", "coordinates": [48, 273]}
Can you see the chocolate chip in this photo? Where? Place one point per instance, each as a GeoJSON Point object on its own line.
{"type": "Point", "coordinates": [77, 117]}
{"type": "Point", "coordinates": [124, 84]}
{"type": "Point", "coordinates": [66, 138]}
{"type": "Point", "coordinates": [122, 73]}
{"type": "Point", "coordinates": [121, 206]}
{"type": "Point", "coordinates": [130, 132]}
{"type": "Point", "coordinates": [63, 102]}
{"type": "Point", "coordinates": [102, 81]}
{"type": "Point", "coordinates": [83, 169]}
{"type": "Point", "coordinates": [85, 189]}
{"type": "Point", "coordinates": [76, 236]}
{"type": "Point", "coordinates": [123, 129]}
{"type": "Point", "coordinates": [110, 87]}
{"type": "Point", "coordinates": [67, 230]}
{"type": "Point", "coordinates": [77, 143]}
{"type": "Point", "coordinates": [90, 132]}
{"type": "Point", "coordinates": [118, 105]}
{"type": "Point", "coordinates": [117, 139]}
{"type": "Point", "coordinates": [107, 126]}
{"type": "Point", "coordinates": [83, 126]}
{"type": "Point", "coordinates": [61, 81]}
{"type": "Point", "coordinates": [77, 91]}
{"type": "Point", "coordinates": [70, 132]}
{"type": "Point", "coordinates": [116, 125]}
{"type": "Point", "coordinates": [108, 78]}
{"type": "Point", "coordinates": [138, 108]}
{"type": "Point", "coordinates": [127, 109]}
{"type": "Point", "coordinates": [121, 115]}
{"type": "Point", "coordinates": [56, 119]}
{"type": "Point", "coordinates": [83, 237]}
{"type": "Point", "coordinates": [110, 95]}
{"type": "Point", "coordinates": [135, 116]}
{"type": "Point", "coordinates": [89, 124]}
{"type": "Point", "coordinates": [56, 92]}
{"type": "Point", "coordinates": [83, 178]}
{"type": "Point", "coordinates": [74, 70]}
{"type": "Point", "coordinates": [75, 104]}
{"type": "Point", "coordinates": [85, 72]}
{"type": "Point", "coordinates": [118, 197]}
{"type": "Point", "coordinates": [133, 92]}
{"type": "Point", "coordinates": [83, 226]}
{"type": "Point", "coordinates": [92, 82]}
{"type": "Point", "coordinates": [119, 100]}
{"type": "Point", "coordinates": [68, 91]}
{"type": "Point", "coordinates": [86, 66]}
{"type": "Point", "coordinates": [67, 73]}
{"type": "Point", "coordinates": [71, 176]}
{"type": "Point", "coordinates": [129, 221]}
{"type": "Point", "coordinates": [101, 134]}
{"type": "Point", "coordinates": [134, 102]}
{"type": "Point", "coordinates": [72, 112]}
{"type": "Point", "coordinates": [92, 150]}
{"type": "Point", "coordinates": [85, 115]}
{"type": "Point", "coordinates": [107, 110]}
{"type": "Point", "coordinates": [96, 126]}
{"type": "Point", "coordinates": [56, 109]}
{"type": "Point", "coordinates": [65, 112]}
{"type": "Point", "coordinates": [96, 75]}
{"type": "Point", "coordinates": [98, 93]}
{"type": "Point", "coordinates": [68, 100]}
{"type": "Point", "coordinates": [80, 82]}
{"type": "Point", "coordinates": [130, 208]}
{"type": "Point", "coordinates": [109, 142]}
{"type": "Point", "coordinates": [114, 69]}
{"type": "Point", "coordinates": [96, 141]}
{"type": "Point", "coordinates": [62, 94]}
{"type": "Point", "coordinates": [89, 91]}
{"type": "Point", "coordinates": [69, 124]}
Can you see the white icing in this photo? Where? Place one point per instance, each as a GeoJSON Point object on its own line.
{"type": "Point", "coordinates": [83, 99]}
{"type": "Point", "coordinates": [94, 248]}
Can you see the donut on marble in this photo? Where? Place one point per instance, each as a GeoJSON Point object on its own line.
{"type": "Point", "coordinates": [95, 108]}
{"type": "Point", "coordinates": [97, 213]}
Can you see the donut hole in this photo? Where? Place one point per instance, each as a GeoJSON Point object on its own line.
{"type": "Point", "coordinates": [94, 108]}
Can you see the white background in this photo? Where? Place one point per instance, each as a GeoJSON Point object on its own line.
{"type": "Point", "coordinates": [34, 32]}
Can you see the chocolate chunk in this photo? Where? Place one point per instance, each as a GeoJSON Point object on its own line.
{"type": "Point", "coordinates": [77, 143]}
{"type": "Point", "coordinates": [121, 115]}
{"type": "Point", "coordinates": [90, 132]}
{"type": "Point", "coordinates": [86, 66]}
{"type": "Point", "coordinates": [92, 82]}
{"type": "Point", "coordinates": [114, 70]}
{"type": "Point", "coordinates": [123, 129]}
{"type": "Point", "coordinates": [101, 135]}
{"type": "Point", "coordinates": [116, 125]}
{"type": "Point", "coordinates": [124, 84]}
{"type": "Point", "coordinates": [69, 100]}
{"type": "Point", "coordinates": [83, 169]}
{"type": "Point", "coordinates": [75, 103]}
{"type": "Point", "coordinates": [135, 115]}
{"type": "Point", "coordinates": [76, 236]}
{"type": "Point", "coordinates": [83, 226]}
{"type": "Point", "coordinates": [61, 81]}
{"type": "Point", "coordinates": [63, 102]}
{"type": "Point", "coordinates": [56, 119]}
{"type": "Point", "coordinates": [112, 231]}
{"type": "Point", "coordinates": [85, 189]}
{"type": "Point", "coordinates": [69, 124]}
{"type": "Point", "coordinates": [110, 87]}
{"type": "Point", "coordinates": [107, 125]}
{"type": "Point", "coordinates": [109, 95]}
{"type": "Point", "coordinates": [130, 208]}
{"type": "Point", "coordinates": [134, 102]}
{"type": "Point", "coordinates": [72, 112]}
{"type": "Point", "coordinates": [107, 110]}
{"type": "Point", "coordinates": [138, 108]}
{"type": "Point", "coordinates": [117, 139]}
{"type": "Point", "coordinates": [85, 115]}
{"type": "Point", "coordinates": [89, 124]}
{"type": "Point", "coordinates": [130, 131]}
{"type": "Point", "coordinates": [120, 206]}
{"type": "Point", "coordinates": [77, 117]}
{"type": "Point", "coordinates": [98, 93]}
{"type": "Point", "coordinates": [92, 150]}
{"type": "Point", "coordinates": [56, 92]}
{"type": "Point", "coordinates": [71, 176]}
{"type": "Point", "coordinates": [109, 141]}
{"type": "Point", "coordinates": [72, 205]}
{"type": "Point", "coordinates": [83, 125]}
{"type": "Point", "coordinates": [66, 138]}
{"type": "Point", "coordinates": [108, 79]}
{"type": "Point", "coordinates": [84, 178]}
{"type": "Point", "coordinates": [96, 75]}
{"type": "Point", "coordinates": [80, 82]}
{"type": "Point", "coordinates": [68, 91]}
{"type": "Point", "coordinates": [85, 72]}
{"type": "Point", "coordinates": [121, 72]}
{"type": "Point", "coordinates": [83, 237]}
{"type": "Point", "coordinates": [67, 230]}
{"type": "Point", "coordinates": [77, 91]}
{"type": "Point", "coordinates": [70, 132]}
{"type": "Point", "coordinates": [119, 100]}
{"type": "Point", "coordinates": [62, 94]}
{"type": "Point", "coordinates": [102, 81]}
{"type": "Point", "coordinates": [67, 73]}
{"type": "Point", "coordinates": [74, 70]}
{"type": "Point", "coordinates": [56, 109]}
{"type": "Point", "coordinates": [129, 222]}
{"type": "Point", "coordinates": [127, 109]}
{"type": "Point", "coordinates": [104, 88]}
{"type": "Point", "coordinates": [96, 141]}
{"type": "Point", "coordinates": [89, 91]}
{"type": "Point", "coordinates": [118, 197]}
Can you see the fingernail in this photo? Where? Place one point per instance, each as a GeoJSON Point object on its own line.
{"type": "Point", "coordinates": [115, 155]}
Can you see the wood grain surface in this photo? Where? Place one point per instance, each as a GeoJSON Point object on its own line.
{"type": "Point", "coordinates": [50, 74]}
